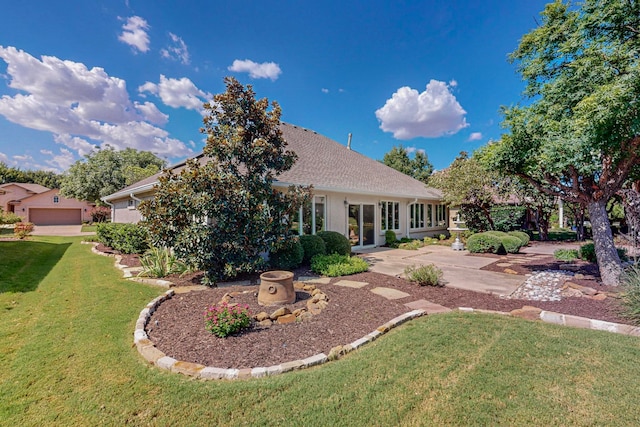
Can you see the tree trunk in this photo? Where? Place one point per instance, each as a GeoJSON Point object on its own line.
{"type": "Point", "coordinates": [606, 253]}
{"type": "Point", "coordinates": [543, 224]}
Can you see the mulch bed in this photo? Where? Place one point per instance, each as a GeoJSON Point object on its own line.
{"type": "Point", "coordinates": [177, 327]}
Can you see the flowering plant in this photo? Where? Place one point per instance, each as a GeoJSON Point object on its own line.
{"type": "Point", "coordinates": [224, 319]}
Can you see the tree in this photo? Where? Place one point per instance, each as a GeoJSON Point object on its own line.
{"type": "Point", "coordinates": [419, 167]}
{"type": "Point", "coordinates": [221, 212]}
{"type": "Point", "coordinates": [106, 171]}
{"type": "Point", "coordinates": [47, 179]}
{"type": "Point", "coordinates": [579, 135]}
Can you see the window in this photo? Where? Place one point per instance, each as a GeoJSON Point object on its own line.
{"type": "Point", "coordinates": [56, 199]}
{"type": "Point", "coordinates": [417, 215]}
{"type": "Point", "coordinates": [429, 215]}
{"type": "Point", "coordinates": [310, 218]}
{"type": "Point", "coordinates": [390, 216]}
{"type": "Point", "coordinates": [441, 215]}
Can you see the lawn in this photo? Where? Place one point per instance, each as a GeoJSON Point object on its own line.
{"type": "Point", "coordinates": [67, 359]}
{"type": "Point", "coordinates": [89, 228]}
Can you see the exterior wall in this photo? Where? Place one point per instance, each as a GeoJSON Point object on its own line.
{"type": "Point", "coordinates": [125, 210]}
{"type": "Point", "coordinates": [12, 192]}
{"type": "Point", "coordinates": [45, 201]}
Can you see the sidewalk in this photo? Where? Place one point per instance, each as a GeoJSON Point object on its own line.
{"type": "Point", "coordinates": [60, 230]}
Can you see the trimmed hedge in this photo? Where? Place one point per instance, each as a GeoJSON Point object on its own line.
{"type": "Point", "coordinates": [511, 244]}
{"type": "Point", "coordinates": [288, 256]}
{"type": "Point", "coordinates": [483, 243]}
{"type": "Point", "coordinates": [390, 238]}
{"type": "Point", "coordinates": [524, 237]}
{"type": "Point", "coordinates": [312, 245]}
{"type": "Point", "coordinates": [499, 234]}
{"type": "Point", "coordinates": [335, 265]}
{"type": "Point", "coordinates": [126, 238]}
{"type": "Point", "coordinates": [335, 242]}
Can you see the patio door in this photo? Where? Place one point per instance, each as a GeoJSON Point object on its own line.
{"type": "Point", "coordinates": [362, 225]}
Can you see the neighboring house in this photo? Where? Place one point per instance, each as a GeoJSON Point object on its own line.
{"type": "Point", "coordinates": [353, 194]}
{"type": "Point", "coordinates": [42, 206]}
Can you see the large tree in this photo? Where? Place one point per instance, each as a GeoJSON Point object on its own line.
{"type": "Point", "coordinates": [578, 137]}
{"type": "Point", "coordinates": [419, 167]}
{"type": "Point", "coordinates": [221, 212]}
{"type": "Point", "coordinates": [47, 179]}
{"type": "Point", "coordinates": [106, 171]}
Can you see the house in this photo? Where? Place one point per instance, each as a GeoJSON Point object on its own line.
{"type": "Point", "coordinates": [353, 194]}
{"type": "Point", "coordinates": [43, 206]}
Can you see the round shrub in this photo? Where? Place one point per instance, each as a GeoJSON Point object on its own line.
{"type": "Point", "coordinates": [288, 256]}
{"type": "Point", "coordinates": [336, 243]}
{"type": "Point", "coordinates": [511, 244]}
{"type": "Point", "coordinates": [312, 245]}
{"type": "Point", "coordinates": [524, 237]}
{"type": "Point", "coordinates": [483, 243]}
{"type": "Point", "coordinates": [335, 265]}
{"type": "Point", "coordinates": [390, 237]}
{"type": "Point", "coordinates": [497, 233]}
{"type": "Point", "coordinates": [425, 275]}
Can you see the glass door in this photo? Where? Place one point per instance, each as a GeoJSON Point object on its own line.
{"type": "Point", "coordinates": [362, 225]}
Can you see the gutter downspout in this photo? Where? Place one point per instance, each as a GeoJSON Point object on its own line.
{"type": "Point", "coordinates": [113, 211]}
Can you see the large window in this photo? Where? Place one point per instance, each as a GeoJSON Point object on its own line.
{"type": "Point", "coordinates": [441, 215]}
{"type": "Point", "coordinates": [390, 216]}
{"type": "Point", "coordinates": [311, 218]}
{"type": "Point", "coordinates": [417, 215]}
{"type": "Point", "coordinates": [429, 215]}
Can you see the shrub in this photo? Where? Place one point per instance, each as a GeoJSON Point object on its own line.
{"type": "Point", "coordinates": [588, 253]}
{"type": "Point", "coordinates": [425, 275]}
{"type": "Point", "coordinates": [412, 245]}
{"type": "Point", "coordinates": [430, 241]}
{"type": "Point", "coordinates": [160, 262]}
{"type": "Point", "coordinates": [22, 229]}
{"type": "Point", "coordinates": [126, 238]}
{"type": "Point", "coordinates": [334, 265]}
{"type": "Point", "coordinates": [390, 238]}
{"type": "Point", "coordinates": [335, 242]}
{"type": "Point", "coordinates": [630, 295]}
{"type": "Point", "coordinates": [566, 254]}
{"type": "Point", "coordinates": [506, 218]}
{"type": "Point", "coordinates": [223, 320]}
{"type": "Point", "coordinates": [100, 214]}
{"type": "Point", "coordinates": [288, 256]}
{"type": "Point", "coordinates": [497, 233]}
{"type": "Point", "coordinates": [524, 237]}
{"type": "Point", "coordinates": [312, 245]}
{"type": "Point", "coordinates": [511, 244]}
{"type": "Point", "coordinates": [483, 242]}
{"type": "Point", "coordinates": [9, 218]}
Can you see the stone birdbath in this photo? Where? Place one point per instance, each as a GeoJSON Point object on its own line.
{"type": "Point", "coordinates": [457, 245]}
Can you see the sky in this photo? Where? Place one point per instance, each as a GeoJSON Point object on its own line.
{"type": "Point", "coordinates": [427, 75]}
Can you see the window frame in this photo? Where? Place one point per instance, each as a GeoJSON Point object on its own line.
{"type": "Point", "coordinates": [417, 216]}
{"type": "Point", "coordinates": [389, 211]}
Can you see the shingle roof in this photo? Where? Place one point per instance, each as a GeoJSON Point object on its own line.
{"type": "Point", "coordinates": [34, 188]}
{"type": "Point", "coordinates": [329, 166]}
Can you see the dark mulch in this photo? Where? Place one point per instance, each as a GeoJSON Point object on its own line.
{"type": "Point", "coordinates": [177, 327]}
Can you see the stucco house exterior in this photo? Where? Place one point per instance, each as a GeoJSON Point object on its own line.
{"type": "Point", "coordinates": [353, 194]}
{"type": "Point", "coordinates": [43, 206]}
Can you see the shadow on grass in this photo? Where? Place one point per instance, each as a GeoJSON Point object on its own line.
{"type": "Point", "coordinates": [23, 264]}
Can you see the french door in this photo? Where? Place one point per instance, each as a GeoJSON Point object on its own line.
{"type": "Point", "coordinates": [362, 225]}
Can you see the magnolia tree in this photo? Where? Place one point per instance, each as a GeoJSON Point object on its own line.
{"type": "Point", "coordinates": [578, 137]}
{"type": "Point", "coordinates": [221, 211]}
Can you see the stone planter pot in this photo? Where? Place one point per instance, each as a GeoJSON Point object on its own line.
{"type": "Point", "coordinates": [276, 288]}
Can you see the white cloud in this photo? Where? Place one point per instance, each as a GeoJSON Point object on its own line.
{"type": "Point", "coordinates": [475, 136]}
{"type": "Point", "coordinates": [453, 83]}
{"type": "Point", "coordinates": [266, 70]}
{"type": "Point", "coordinates": [324, 90]}
{"type": "Point", "coordinates": [3, 158]}
{"type": "Point", "coordinates": [60, 161]}
{"type": "Point", "coordinates": [177, 50]}
{"type": "Point", "coordinates": [134, 33]}
{"type": "Point", "coordinates": [410, 150]}
{"type": "Point", "coordinates": [77, 104]}
{"type": "Point", "coordinates": [177, 93]}
{"type": "Point", "coordinates": [432, 113]}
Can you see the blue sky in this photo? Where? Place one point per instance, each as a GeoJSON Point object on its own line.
{"type": "Point", "coordinates": [430, 75]}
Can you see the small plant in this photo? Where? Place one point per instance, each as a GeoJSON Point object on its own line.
{"type": "Point", "coordinates": [224, 319]}
{"type": "Point", "coordinates": [630, 295]}
{"type": "Point", "coordinates": [442, 237]}
{"type": "Point", "coordinates": [288, 256]}
{"type": "Point", "coordinates": [312, 245]}
{"type": "Point", "coordinates": [335, 242]}
{"type": "Point", "coordinates": [22, 229]}
{"type": "Point", "coordinates": [588, 253]}
{"type": "Point", "coordinates": [335, 265]}
{"type": "Point", "coordinates": [412, 245]}
{"type": "Point", "coordinates": [390, 238]}
{"type": "Point", "coordinates": [9, 218]}
{"type": "Point", "coordinates": [566, 254]}
{"type": "Point", "coordinates": [425, 275]}
{"type": "Point", "coordinates": [430, 241]}
{"type": "Point", "coordinates": [161, 262]}
{"type": "Point", "coordinates": [484, 243]}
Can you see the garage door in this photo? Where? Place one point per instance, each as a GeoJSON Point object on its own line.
{"type": "Point", "coordinates": [55, 216]}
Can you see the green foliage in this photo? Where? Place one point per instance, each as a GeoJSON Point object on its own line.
{"type": "Point", "coordinates": [390, 238]}
{"type": "Point", "coordinates": [126, 238]}
{"type": "Point", "coordinates": [484, 243]}
{"type": "Point", "coordinates": [100, 214]}
{"type": "Point", "coordinates": [22, 229]}
{"type": "Point", "coordinates": [499, 234]}
{"type": "Point", "coordinates": [288, 255]}
{"type": "Point", "coordinates": [630, 296]}
{"type": "Point", "coordinates": [511, 244]}
{"type": "Point", "coordinates": [9, 217]}
{"type": "Point", "coordinates": [566, 254]}
{"type": "Point", "coordinates": [335, 265]}
{"type": "Point", "coordinates": [161, 262]}
{"type": "Point", "coordinates": [45, 178]}
{"type": "Point", "coordinates": [524, 237]}
{"type": "Point", "coordinates": [425, 275]}
{"type": "Point", "coordinates": [220, 212]}
{"type": "Point", "coordinates": [419, 167]}
{"type": "Point", "coordinates": [508, 218]}
{"type": "Point", "coordinates": [106, 171]}
{"type": "Point", "coordinates": [412, 245]}
{"type": "Point", "coordinates": [223, 320]}
{"type": "Point", "coordinates": [312, 245]}
{"type": "Point", "coordinates": [588, 253]}
{"type": "Point", "coordinates": [336, 243]}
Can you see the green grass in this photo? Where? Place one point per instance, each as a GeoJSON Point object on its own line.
{"type": "Point", "coordinates": [89, 228]}
{"type": "Point", "coordinates": [67, 359]}
{"type": "Point", "coordinates": [558, 234]}
{"type": "Point", "coordinates": [6, 231]}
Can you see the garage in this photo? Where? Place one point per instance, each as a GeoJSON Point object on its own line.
{"type": "Point", "coordinates": [55, 216]}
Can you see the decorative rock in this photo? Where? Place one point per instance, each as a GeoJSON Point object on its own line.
{"type": "Point", "coordinates": [187, 368]}
{"type": "Point", "coordinates": [322, 304]}
{"type": "Point", "coordinates": [503, 264]}
{"type": "Point", "coordinates": [315, 292]}
{"type": "Point", "coordinates": [510, 271]}
{"type": "Point", "coordinates": [579, 276]}
{"type": "Point", "coordinates": [265, 323]}
{"type": "Point", "coordinates": [287, 318]}
{"type": "Point", "coordinates": [226, 298]}
{"type": "Point", "coordinates": [298, 285]}
{"type": "Point", "coordinates": [526, 314]}
{"type": "Point", "coordinates": [313, 308]}
{"type": "Point", "coordinates": [261, 316]}
{"type": "Point", "coordinates": [309, 288]}
{"type": "Point", "coordinates": [305, 316]}
{"type": "Point", "coordinates": [571, 292]}
{"type": "Point", "coordinates": [598, 297]}
{"type": "Point", "coordinates": [299, 311]}
{"type": "Point", "coordinates": [336, 352]}
{"type": "Point", "coordinates": [279, 312]}
{"type": "Point", "coordinates": [543, 286]}
{"type": "Point", "coordinates": [319, 297]}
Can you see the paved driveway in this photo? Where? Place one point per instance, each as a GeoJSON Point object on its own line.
{"type": "Point", "coordinates": [59, 230]}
